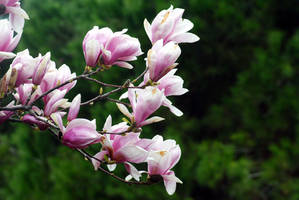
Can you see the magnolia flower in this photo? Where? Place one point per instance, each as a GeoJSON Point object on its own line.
{"type": "Point", "coordinates": [144, 102]}
{"type": "Point", "coordinates": [24, 65]}
{"type": "Point", "coordinates": [55, 77]}
{"type": "Point", "coordinates": [102, 46]}
{"type": "Point", "coordinates": [79, 133]}
{"type": "Point", "coordinates": [8, 42]}
{"type": "Point", "coordinates": [161, 59]}
{"type": "Point", "coordinates": [164, 155]}
{"type": "Point", "coordinates": [55, 102]}
{"type": "Point", "coordinates": [169, 26]}
{"type": "Point", "coordinates": [171, 85]}
{"type": "Point", "coordinates": [16, 13]}
{"type": "Point", "coordinates": [120, 148]}
{"type": "Point", "coordinates": [5, 114]}
{"type": "Point", "coordinates": [121, 48]}
{"type": "Point", "coordinates": [23, 92]}
{"type": "Point", "coordinates": [42, 65]}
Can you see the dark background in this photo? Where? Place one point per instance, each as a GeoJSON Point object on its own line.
{"type": "Point", "coordinates": [239, 133]}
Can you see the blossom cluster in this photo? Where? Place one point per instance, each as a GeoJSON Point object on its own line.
{"type": "Point", "coordinates": [39, 89]}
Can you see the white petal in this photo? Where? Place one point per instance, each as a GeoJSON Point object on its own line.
{"type": "Point", "coordinates": [147, 28]}
{"type": "Point", "coordinates": [152, 120]}
{"type": "Point", "coordinates": [111, 167]}
{"type": "Point", "coordinates": [122, 108]}
{"type": "Point", "coordinates": [123, 64]}
{"type": "Point", "coordinates": [108, 123]}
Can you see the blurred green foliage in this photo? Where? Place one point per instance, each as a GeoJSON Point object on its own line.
{"type": "Point", "coordinates": [239, 134]}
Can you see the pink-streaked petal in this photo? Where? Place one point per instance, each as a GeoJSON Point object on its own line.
{"type": "Point", "coordinates": [170, 181]}
{"type": "Point", "coordinates": [124, 110]}
{"type": "Point", "coordinates": [172, 108]}
{"type": "Point", "coordinates": [133, 154]}
{"type": "Point", "coordinates": [132, 171]}
{"type": "Point", "coordinates": [123, 64]}
{"type": "Point", "coordinates": [147, 28]}
{"type": "Point", "coordinates": [108, 123]}
{"type": "Point", "coordinates": [185, 38]}
{"type": "Point", "coordinates": [56, 117]}
{"type": "Point", "coordinates": [81, 122]}
{"type": "Point", "coordinates": [99, 156]}
{"type": "Point", "coordinates": [74, 108]}
{"type": "Point", "coordinates": [151, 120]}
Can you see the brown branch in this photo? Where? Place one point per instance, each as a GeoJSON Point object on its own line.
{"type": "Point", "coordinates": [103, 96]}
{"type": "Point", "coordinates": [67, 82]}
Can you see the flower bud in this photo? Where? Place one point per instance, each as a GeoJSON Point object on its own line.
{"type": "Point", "coordinates": [80, 133]}
{"type": "Point", "coordinates": [41, 68]}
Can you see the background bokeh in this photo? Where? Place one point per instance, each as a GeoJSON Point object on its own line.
{"type": "Point", "coordinates": [239, 134]}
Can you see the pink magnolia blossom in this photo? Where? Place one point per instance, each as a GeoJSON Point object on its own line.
{"type": "Point", "coordinates": [42, 65]}
{"type": "Point", "coordinates": [121, 48]}
{"type": "Point", "coordinates": [163, 156]}
{"type": "Point", "coordinates": [56, 101]}
{"type": "Point", "coordinates": [8, 42]}
{"type": "Point", "coordinates": [120, 148]}
{"type": "Point", "coordinates": [23, 92]}
{"type": "Point", "coordinates": [5, 114]}
{"type": "Point", "coordinates": [17, 15]}
{"type": "Point", "coordinates": [55, 77]}
{"type": "Point", "coordinates": [171, 85]}
{"type": "Point", "coordinates": [79, 133]}
{"type": "Point", "coordinates": [24, 65]}
{"type": "Point", "coordinates": [161, 59]}
{"type": "Point", "coordinates": [144, 102]}
{"type": "Point", "coordinates": [93, 44]}
{"type": "Point", "coordinates": [102, 46]}
{"type": "Point", "coordinates": [169, 26]}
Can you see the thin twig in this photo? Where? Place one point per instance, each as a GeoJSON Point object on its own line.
{"type": "Point", "coordinates": [118, 101]}
{"type": "Point", "coordinates": [102, 83]}
{"type": "Point", "coordinates": [103, 96]}
{"type": "Point", "coordinates": [65, 83]}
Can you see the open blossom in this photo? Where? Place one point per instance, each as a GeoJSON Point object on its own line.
{"type": "Point", "coordinates": [102, 46]}
{"type": "Point", "coordinates": [24, 64]}
{"type": "Point", "coordinates": [120, 148]}
{"type": "Point", "coordinates": [8, 41]}
{"type": "Point", "coordinates": [169, 26]}
{"type": "Point", "coordinates": [161, 59]}
{"type": "Point", "coordinates": [17, 15]}
{"type": "Point", "coordinates": [93, 44]}
{"type": "Point", "coordinates": [23, 92]}
{"type": "Point", "coordinates": [144, 102]}
{"type": "Point", "coordinates": [171, 84]}
{"type": "Point", "coordinates": [56, 101]}
{"type": "Point", "coordinates": [163, 156]}
{"type": "Point", "coordinates": [55, 77]}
